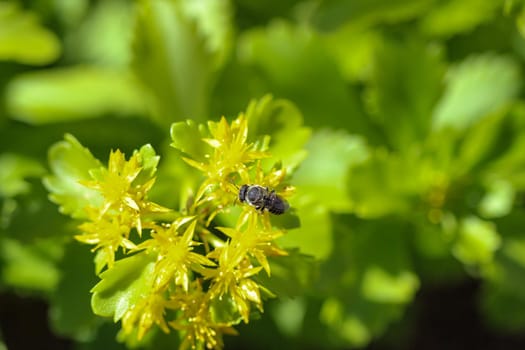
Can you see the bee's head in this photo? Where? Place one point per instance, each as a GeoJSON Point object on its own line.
{"type": "Point", "coordinates": [242, 192]}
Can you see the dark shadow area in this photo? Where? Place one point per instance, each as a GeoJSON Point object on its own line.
{"type": "Point", "coordinates": [446, 317]}
{"type": "Point", "coordinates": [442, 317]}
{"type": "Point", "coordinates": [24, 324]}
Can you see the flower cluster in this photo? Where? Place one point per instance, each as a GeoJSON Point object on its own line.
{"type": "Point", "coordinates": [198, 269]}
{"type": "Point", "coordinates": [124, 207]}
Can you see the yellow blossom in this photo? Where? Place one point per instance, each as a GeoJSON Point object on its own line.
{"type": "Point", "coordinates": [254, 239]}
{"type": "Point", "coordinates": [116, 184]}
{"type": "Point", "coordinates": [232, 277]}
{"type": "Point", "coordinates": [194, 320]}
{"type": "Point", "coordinates": [175, 257]}
{"type": "Point", "coordinates": [150, 310]}
{"type": "Point", "coordinates": [108, 233]}
{"type": "Point", "coordinates": [198, 268]}
{"type": "Point", "coordinates": [231, 155]}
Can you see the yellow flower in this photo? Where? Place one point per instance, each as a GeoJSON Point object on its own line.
{"type": "Point", "coordinates": [232, 277]}
{"type": "Point", "coordinates": [116, 184]}
{"type": "Point", "coordinates": [194, 320]}
{"type": "Point", "coordinates": [231, 156]}
{"type": "Point", "coordinates": [108, 232]}
{"type": "Point", "coordinates": [255, 239]}
{"type": "Point", "coordinates": [175, 257]}
{"type": "Point", "coordinates": [150, 310]}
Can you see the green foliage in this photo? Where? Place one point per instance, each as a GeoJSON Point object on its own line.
{"type": "Point", "coordinates": [71, 163]}
{"type": "Point", "coordinates": [122, 286]}
{"type": "Point", "coordinates": [396, 135]}
{"type": "Point", "coordinates": [23, 39]}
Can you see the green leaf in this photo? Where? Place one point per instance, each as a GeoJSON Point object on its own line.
{"type": "Point", "coordinates": [123, 285]}
{"type": "Point", "coordinates": [187, 137]}
{"type": "Point", "coordinates": [292, 62]}
{"type": "Point", "coordinates": [452, 17]}
{"type": "Point", "coordinates": [73, 93]}
{"type": "Point", "coordinates": [224, 311]}
{"type": "Point", "coordinates": [503, 295]}
{"type": "Point", "coordinates": [70, 311]}
{"type": "Point", "coordinates": [178, 45]}
{"type": "Point", "coordinates": [368, 279]}
{"type": "Point", "coordinates": [213, 19]}
{"type": "Point", "coordinates": [478, 86]}
{"type": "Point", "coordinates": [502, 309]}
{"type": "Point", "coordinates": [477, 241]}
{"type": "Point", "coordinates": [70, 163]}
{"type": "Point", "coordinates": [23, 39]}
{"type": "Point", "coordinates": [405, 84]}
{"type": "Point", "coordinates": [353, 49]}
{"type": "Point", "coordinates": [289, 315]}
{"type": "Point", "coordinates": [334, 152]}
{"type": "Point", "coordinates": [30, 217]}
{"type": "Point", "coordinates": [498, 200]}
{"type": "Point", "coordinates": [70, 12]}
{"type": "Point", "coordinates": [314, 236]}
{"type": "Point", "coordinates": [386, 183]}
{"type": "Point", "coordinates": [290, 275]}
{"type": "Point", "coordinates": [511, 158]}
{"type": "Point", "coordinates": [14, 169]}
{"type": "Point", "coordinates": [111, 23]}
{"type": "Point", "coordinates": [479, 143]}
{"type": "Point", "coordinates": [332, 13]}
{"type": "Point", "coordinates": [148, 163]}
{"type": "Point", "coordinates": [30, 267]}
{"type": "Point", "coordinates": [381, 286]}
{"type": "Point", "coordinates": [283, 122]}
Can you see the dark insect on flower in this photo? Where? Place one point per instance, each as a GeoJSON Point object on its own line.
{"type": "Point", "coordinates": [262, 198]}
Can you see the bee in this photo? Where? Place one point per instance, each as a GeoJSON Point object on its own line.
{"type": "Point", "coordinates": [262, 198]}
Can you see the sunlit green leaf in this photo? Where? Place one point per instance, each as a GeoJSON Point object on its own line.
{"type": "Point", "coordinates": [284, 57]}
{"type": "Point", "coordinates": [353, 49]}
{"type": "Point", "coordinates": [383, 287]}
{"type": "Point", "coordinates": [149, 161]}
{"type": "Point", "coordinates": [498, 200]}
{"type": "Point", "coordinates": [23, 39]}
{"type": "Point", "coordinates": [314, 236]}
{"type": "Point", "coordinates": [70, 163]}
{"type": "Point", "coordinates": [67, 94]}
{"type": "Point", "coordinates": [476, 87]}
{"type": "Point", "coordinates": [213, 19]}
{"type": "Point", "coordinates": [322, 176]}
{"type": "Point", "coordinates": [175, 45]}
{"type": "Point", "coordinates": [477, 241]}
{"type": "Point", "coordinates": [187, 137]}
{"type": "Point", "coordinates": [283, 122]}
{"type": "Point", "coordinates": [122, 286]}
{"type": "Point", "coordinates": [104, 35]}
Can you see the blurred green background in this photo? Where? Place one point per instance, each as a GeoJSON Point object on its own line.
{"type": "Point", "coordinates": [411, 196]}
